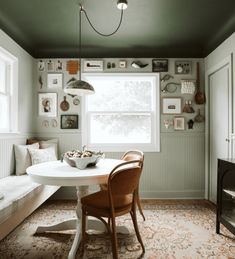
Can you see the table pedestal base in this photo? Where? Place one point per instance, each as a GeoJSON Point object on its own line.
{"type": "Point", "coordinates": [70, 224]}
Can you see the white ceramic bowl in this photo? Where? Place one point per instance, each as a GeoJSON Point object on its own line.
{"type": "Point", "coordinates": [83, 162]}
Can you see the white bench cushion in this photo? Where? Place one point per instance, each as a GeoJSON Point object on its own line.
{"type": "Point", "coordinates": [16, 190]}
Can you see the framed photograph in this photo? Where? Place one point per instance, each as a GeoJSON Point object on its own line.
{"type": "Point", "coordinates": [47, 104]}
{"type": "Point", "coordinates": [160, 65]}
{"type": "Point", "coordinates": [178, 123]}
{"type": "Point", "coordinates": [59, 65]}
{"type": "Point", "coordinates": [54, 80]}
{"type": "Point", "coordinates": [50, 66]}
{"type": "Point", "coordinates": [183, 67]}
{"type": "Point", "coordinates": [93, 65]}
{"type": "Point", "coordinates": [122, 63]}
{"type": "Point", "coordinates": [69, 121]}
{"type": "Point", "coordinates": [41, 65]}
{"type": "Point", "coordinates": [171, 105]}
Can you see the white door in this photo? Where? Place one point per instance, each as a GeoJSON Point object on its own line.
{"type": "Point", "coordinates": [220, 122]}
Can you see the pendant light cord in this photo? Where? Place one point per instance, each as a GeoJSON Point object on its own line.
{"type": "Point", "coordinates": [93, 27]}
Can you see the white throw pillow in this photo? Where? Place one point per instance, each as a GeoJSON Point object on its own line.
{"type": "Point", "coordinates": [42, 155]}
{"type": "Point", "coordinates": [22, 157]}
{"type": "Point", "coordinates": [1, 196]}
{"type": "Point", "coordinates": [50, 143]}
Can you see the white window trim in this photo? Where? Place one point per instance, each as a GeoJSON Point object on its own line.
{"type": "Point", "coordinates": [13, 70]}
{"type": "Point", "coordinates": [155, 131]}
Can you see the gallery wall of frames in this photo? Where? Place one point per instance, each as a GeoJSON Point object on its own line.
{"type": "Point", "coordinates": [182, 91]}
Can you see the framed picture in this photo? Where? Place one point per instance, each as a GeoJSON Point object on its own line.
{"type": "Point", "coordinates": [54, 80]}
{"type": "Point", "coordinates": [47, 104]}
{"type": "Point", "coordinates": [50, 66]}
{"type": "Point", "coordinates": [41, 65]}
{"type": "Point", "coordinates": [122, 63]}
{"type": "Point", "coordinates": [178, 123]}
{"type": "Point", "coordinates": [183, 67]}
{"type": "Point", "coordinates": [160, 65]}
{"type": "Point", "coordinates": [59, 65]}
{"type": "Point", "coordinates": [171, 105]}
{"type": "Point", "coordinates": [93, 65]}
{"type": "Point", "coordinates": [69, 121]}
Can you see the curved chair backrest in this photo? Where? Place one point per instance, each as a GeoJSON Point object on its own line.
{"type": "Point", "coordinates": [134, 155]}
{"type": "Point", "coordinates": [124, 178]}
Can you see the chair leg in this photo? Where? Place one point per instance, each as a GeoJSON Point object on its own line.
{"type": "Point", "coordinates": [139, 205]}
{"type": "Point", "coordinates": [114, 239]}
{"type": "Point", "coordinates": [134, 219]}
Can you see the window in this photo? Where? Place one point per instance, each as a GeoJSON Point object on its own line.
{"type": "Point", "coordinates": [123, 113]}
{"type": "Point", "coordinates": [8, 92]}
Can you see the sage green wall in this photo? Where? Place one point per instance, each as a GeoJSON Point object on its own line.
{"type": "Point", "coordinates": [178, 171]}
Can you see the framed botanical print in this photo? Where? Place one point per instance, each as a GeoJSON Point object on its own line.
{"type": "Point", "coordinates": [54, 80]}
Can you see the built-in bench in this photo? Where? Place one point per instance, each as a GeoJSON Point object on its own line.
{"type": "Point", "coordinates": [21, 196]}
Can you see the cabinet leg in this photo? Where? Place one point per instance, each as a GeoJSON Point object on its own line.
{"type": "Point", "coordinates": [217, 227]}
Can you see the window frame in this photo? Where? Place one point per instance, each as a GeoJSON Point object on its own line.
{"type": "Point", "coordinates": [11, 90]}
{"type": "Point", "coordinates": [154, 146]}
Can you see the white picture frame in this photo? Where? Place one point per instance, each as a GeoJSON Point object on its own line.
{"type": "Point", "coordinates": [179, 123]}
{"type": "Point", "coordinates": [47, 104]}
{"type": "Point", "coordinates": [93, 65]}
{"type": "Point", "coordinates": [171, 105]}
{"type": "Point", "coordinates": [54, 80]}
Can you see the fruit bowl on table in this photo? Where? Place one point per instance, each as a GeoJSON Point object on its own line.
{"type": "Point", "coordinates": [82, 159]}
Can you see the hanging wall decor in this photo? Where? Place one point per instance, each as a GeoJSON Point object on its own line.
{"type": "Point", "coordinates": [183, 67]}
{"type": "Point", "coordinates": [69, 121]}
{"type": "Point", "coordinates": [179, 123]}
{"type": "Point", "coordinates": [54, 80]}
{"type": "Point", "coordinates": [73, 67]}
{"type": "Point", "coordinates": [59, 65]}
{"type": "Point", "coordinates": [160, 65]}
{"type": "Point", "coordinates": [47, 104]}
{"type": "Point", "coordinates": [171, 105]}
{"type": "Point", "coordinates": [41, 65]}
{"type": "Point", "coordinates": [94, 65]}
{"type": "Point", "coordinates": [64, 105]}
{"type": "Point", "coordinates": [50, 66]}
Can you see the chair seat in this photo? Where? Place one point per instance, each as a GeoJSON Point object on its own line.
{"type": "Point", "coordinates": [99, 201]}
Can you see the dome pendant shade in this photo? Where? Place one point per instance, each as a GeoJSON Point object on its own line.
{"type": "Point", "coordinates": [122, 4]}
{"type": "Point", "coordinates": [79, 87]}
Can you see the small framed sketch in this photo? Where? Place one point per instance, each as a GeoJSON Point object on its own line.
{"type": "Point", "coordinates": [93, 65]}
{"type": "Point", "coordinates": [171, 105]}
{"type": "Point", "coordinates": [178, 123]}
{"type": "Point", "coordinates": [122, 63]}
{"type": "Point", "coordinates": [41, 65]}
{"type": "Point", "coordinates": [160, 65]}
{"type": "Point", "coordinates": [50, 66]}
{"type": "Point", "coordinates": [59, 65]}
{"type": "Point", "coordinates": [54, 80]}
{"type": "Point", "coordinates": [183, 67]}
{"type": "Point", "coordinates": [47, 104]}
{"type": "Point", "coordinates": [69, 121]}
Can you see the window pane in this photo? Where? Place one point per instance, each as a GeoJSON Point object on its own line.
{"type": "Point", "coordinates": [4, 112]}
{"type": "Point", "coordinates": [126, 93]}
{"type": "Point", "coordinates": [114, 128]}
{"type": "Point", "coordinates": [2, 76]}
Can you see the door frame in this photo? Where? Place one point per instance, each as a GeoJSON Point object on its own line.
{"type": "Point", "coordinates": [228, 61]}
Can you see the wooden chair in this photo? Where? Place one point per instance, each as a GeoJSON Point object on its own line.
{"type": "Point", "coordinates": [128, 156]}
{"type": "Point", "coordinates": [118, 199]}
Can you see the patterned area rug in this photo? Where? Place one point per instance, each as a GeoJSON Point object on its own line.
{"type": "Point", "coordinates": [173, 229]}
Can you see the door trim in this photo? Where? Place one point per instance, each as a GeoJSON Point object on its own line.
{"type": "Point", "coordinates": [226, 62]}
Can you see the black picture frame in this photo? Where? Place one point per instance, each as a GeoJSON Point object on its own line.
{"type": "Point", "coordinates": [160, 65]}
{"type": "Point", "coordinates": [69, 121]}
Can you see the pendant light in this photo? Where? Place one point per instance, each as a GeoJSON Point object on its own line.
{"type": "Point", "coordinates": [80, 87]}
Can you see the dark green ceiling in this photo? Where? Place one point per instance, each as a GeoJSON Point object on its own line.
{"type": "Point", "coordinates": [150, 28]}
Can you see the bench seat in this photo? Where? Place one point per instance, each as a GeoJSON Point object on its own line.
{"type": "Point", "coordinates": [21, 197]}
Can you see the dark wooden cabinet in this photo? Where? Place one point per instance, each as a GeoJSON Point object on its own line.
{"type": "Point", "coordinates": [226, 195]}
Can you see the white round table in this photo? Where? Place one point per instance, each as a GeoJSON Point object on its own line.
{"type": "Point", "coordinates": [61, 174]}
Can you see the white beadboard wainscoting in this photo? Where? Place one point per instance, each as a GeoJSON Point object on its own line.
{"type": "Point", "coordinates": [7, 158]}
{"type": "Point", "coordinates": [178, 171]}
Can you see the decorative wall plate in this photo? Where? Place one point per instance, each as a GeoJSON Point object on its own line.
{"type": "Point", "coordinates": [76, 101]}
{"type": "Point", "coordinates": [45, 123]}
{"type": "Point", "coordinates": [54, 123]}
{"type": "Point", "coordinates": [64, 105]}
